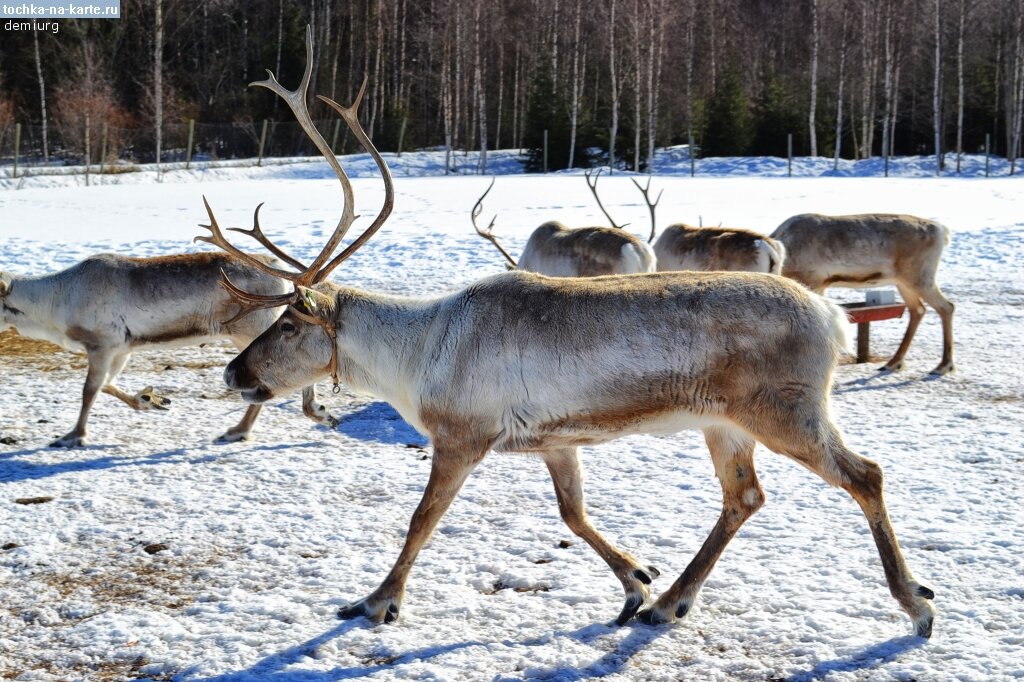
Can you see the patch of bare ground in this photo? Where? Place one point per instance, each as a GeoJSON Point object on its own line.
{"type": "Point", "coordinates": [155, 580]}
{"type": "Point", "coordinates": [139, 578]}
{"type": "Point", "coordinates": [20, 351]}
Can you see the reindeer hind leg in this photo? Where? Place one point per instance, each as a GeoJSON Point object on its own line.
{"type": "Point", "coordinates": [564, 467]}
{"type": "Point", "coordinates": [316, 410]}
{"type": "Point", "coordinates": [732, 452]}
{"type": "Point", "coordinates": [805, 433]}
{"type": "Point", "coordinates": [100, 362]}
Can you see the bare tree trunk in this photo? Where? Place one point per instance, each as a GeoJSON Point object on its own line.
{"type": "Point", "coordinates": [936, 91]}
{"type": "Point", "coordinates": [887, 39]}
{"type": "Point", "coordinates": [501, 93]}
{"type": "Point", "coordinates": [376, 103]}
{"type": "Point", "coordinates": [637, 80]}
{"type": "Point", "coordinates": [960, 87]}
{"type": "Point", "coordinates": [515, 104]}
{"type": "Point", "coordinates": [1015, 96]}
{"type": "Point", "coordinates": [554, 48]}
{"type": "Point", "coordinates": [280, 39]}
{"type": "Point", "coordinates": [691, 20]}
{"type": "Point", "coordinates": [480, 90]}
{"type": "Point", "coordinates": [574, 112]}
{"type": "Point", "coordinates": [656, 34]}
{"type": "Point", "coordinates": [814, 78]}
{"type": "Point", "coordinates": [458, 75]}
{"type": "Point", "coordinates": [615, 91]}
{"type": "Point", "coordinates": [839, 94]}
{"type": "Point", "coordinates": [158, 79]}
{"type": "Point", "coordinates": [713, 29]}
{"type": "Point", "coordinates": [446, 104]}
{"type": "Point", "coordinates": [42, 96]}
{"type": "Point", "coordinates": [895, 106]}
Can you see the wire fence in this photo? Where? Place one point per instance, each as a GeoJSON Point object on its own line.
{"type": "Point", "coordinates": [107, 148]}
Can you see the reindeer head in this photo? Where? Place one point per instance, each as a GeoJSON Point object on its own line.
{"type": "Point", "coordinates": [301, 346]}
{"type": "Point", "coordinates": [7, 312]}
{"type": "Point", "coordinates": [298, 350]}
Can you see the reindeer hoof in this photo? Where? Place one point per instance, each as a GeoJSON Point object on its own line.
{"type": "Point", "coordinates": [923, 628]}
{"type": "Point", "coordinates": [232, 437]}
{"type": "Point", "coordinates": [381, 611]}
{"type": "Point", "coordinates": [651, 617]}
{"type": "Point", "coordinates": [942, 370]}
{"type": "Point", "coordinates": [149, 400]}
{"type": "Point", "coordinates": [633, 603]}
{"type": "Point", "coordinates": [925, 592]}
{"type": "Point", "coordinates": [68, 441]}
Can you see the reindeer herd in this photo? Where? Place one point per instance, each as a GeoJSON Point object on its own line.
{"type": "Point", "coordinates": [594, 335]}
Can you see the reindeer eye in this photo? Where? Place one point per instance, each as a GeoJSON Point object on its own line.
{"type": "Point", "coordinates": [287, 327]}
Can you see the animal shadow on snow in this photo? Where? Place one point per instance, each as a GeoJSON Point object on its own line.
{"type": "Point", "coordinates": [865, 659]}
{"type": "Point", "coordinates": [14, 468]}
{"type": "Point", "coordinates": [273, 667]}
{"type": "Point", "coordinates": [881, 381]}
{"type": "Point", "coordinates": [378, 422]}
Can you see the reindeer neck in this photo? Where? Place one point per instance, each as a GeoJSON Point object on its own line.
{"type": "Point", "coordinates": [380, 340]}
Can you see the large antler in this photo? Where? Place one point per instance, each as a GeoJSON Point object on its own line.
{"type": "Point", "coordinates": [593, 190]}
{"type": "Point", "coordinates": [488, 234]}
{"type": "Point", "coordinates": [320, 268]}
{"type": "Point", "coordinates": [647, 198]}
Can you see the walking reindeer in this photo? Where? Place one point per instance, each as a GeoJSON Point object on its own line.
{"type": "Point", "coordinates": [520, 362]}
{"type": "Point", "coordinates": [109, 306]}
{"type": "Point", "coordinates": [871, 249]}
{"type": "Point", "coordinates": [559, 251]}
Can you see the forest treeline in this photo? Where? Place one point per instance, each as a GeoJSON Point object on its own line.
{"type": "Point", "coordinates": [604, 78]}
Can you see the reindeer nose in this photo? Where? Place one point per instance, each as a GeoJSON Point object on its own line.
{"type": "Point", "coordinates": [236, 375]}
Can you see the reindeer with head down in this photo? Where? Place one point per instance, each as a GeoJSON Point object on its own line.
{"type": "Point", "coordinates": [520, 362]}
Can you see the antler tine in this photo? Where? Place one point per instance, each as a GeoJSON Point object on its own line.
{"type": "Point", "coordinates": [647, 199]}
{"type": "Point", "coordinates": [257, 234]}
{"type": "Point", "coordinates": [250, 302]}
{"type": "Point", "coordinates": [488, 234]}
{"type": "Point", "coordinates": [351, 117]}
{"type": "Point", "coordinates": [217, 239]}
{"type": "Point", "coordinates": [593, 190]}
{"type": "Point", "coordinates": [296, 101]}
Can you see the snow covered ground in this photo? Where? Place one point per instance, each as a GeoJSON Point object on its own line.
{"type": "Point", "coordinates": [265, 540]}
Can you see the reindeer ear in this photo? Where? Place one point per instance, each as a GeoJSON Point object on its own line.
{"type": "Point", "coordinates": [312, 302]}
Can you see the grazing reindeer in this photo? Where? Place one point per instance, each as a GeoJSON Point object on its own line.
{"type": "Point", "coordinates": [519, 362]}
{"type": "Point", "coordinates": [683, 247]}
{"type": "Point", "coordinates": [870, 249]}
{"type": "Point", "coordinates": [109, 306]}
{"type": "Point", "coordinates": [559, 251]}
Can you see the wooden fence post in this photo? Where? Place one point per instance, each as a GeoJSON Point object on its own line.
{"type": "Point", "coordinates": [789, 154]}
{"type": "Point", "coordinates": [17, 148]}
{"type": "Point", "coordinates": [545, 150]}
{"type": "Point", "coordinates": [191, 136]}
{"type": "Point", "coordinates": [103, 147]}
{"type": "Point", "coordinates": [263, 141]}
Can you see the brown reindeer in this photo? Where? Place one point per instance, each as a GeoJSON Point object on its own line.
{"type": "Point", "coordinates": [871, 249]}
{"type": "Point", "coordinates": [559, 251]}
{"type": "Point", "coordinates": [519, 362]}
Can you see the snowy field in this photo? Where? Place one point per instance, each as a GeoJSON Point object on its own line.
{"type": "Point", "coordinates": [163, 556]}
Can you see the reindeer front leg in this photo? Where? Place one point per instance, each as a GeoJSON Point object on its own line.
{"type": "Point", "coordinates": [100, 362]}
{"type": "Point", "coordinates": [564, 466]}
{"type": "Point", "coordinates": [316, 411]}
{"type": "Point", "coordinates": [146, 399]}
{"type": "Point", "coordinates": [448, 472]}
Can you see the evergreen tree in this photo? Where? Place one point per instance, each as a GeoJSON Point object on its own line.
{"type": "Point", "coordinates": [729, 127]}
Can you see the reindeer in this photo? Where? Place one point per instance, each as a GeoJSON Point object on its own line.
{"type": "Point", "coordinates": [109, 306]}
{"type": "Point", "coordinates": [871, 249]}
{"type": "Point", "coordinates": [559, 251]}
{"type": "Point", "coordinates": [684, 247]}
{"type": "Point", "coordinates": [520, 362]}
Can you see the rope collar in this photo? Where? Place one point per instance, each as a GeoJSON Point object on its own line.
{"type": "Point", "coordinates": [332, 366]}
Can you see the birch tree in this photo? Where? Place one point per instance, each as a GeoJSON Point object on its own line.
{"type": "Point", "coordinates": [575, 104]}
{"type": "Point", "coordinates": [814, 78]}
{"type": "Point", "coordinates": [615, 89]}
{"type": "Point", "coordinates": [42, 95]}
{"type": "Point", "coordinates": [937, 91]}
{"type": "Point", "coordinates": [158, 78]}
{"type": "Point", "coordinates": [839, 93]}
